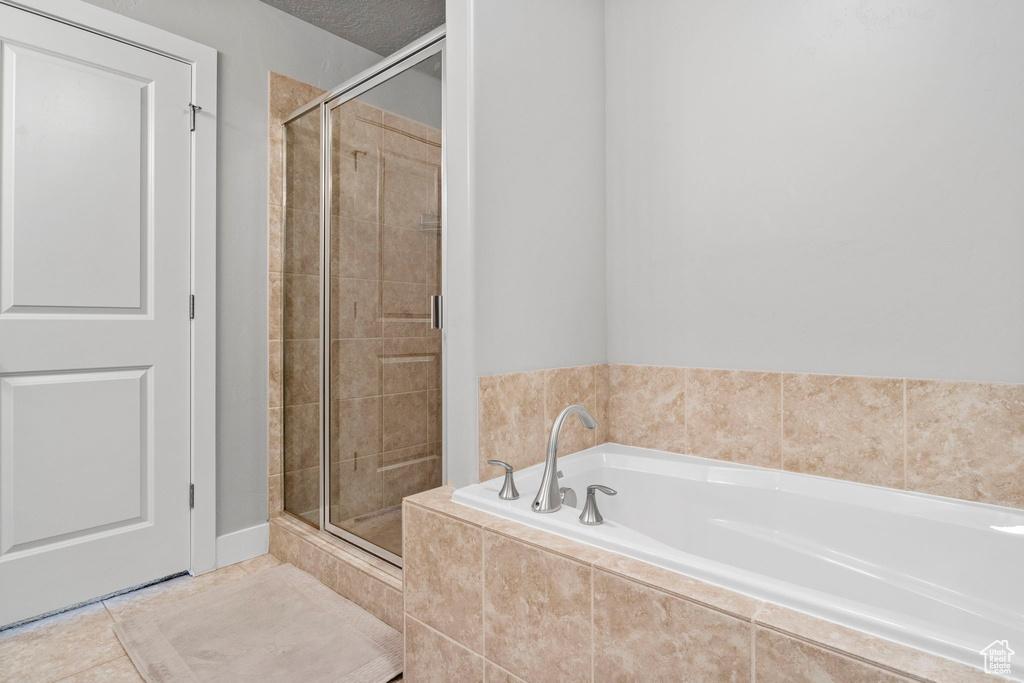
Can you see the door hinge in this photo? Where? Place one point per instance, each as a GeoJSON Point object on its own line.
{"type": "Point", "coordinates": [191, 496]}
{"type": "Point", "coordinates": [191, 306]}
{"type": "Point", "coordinates": [193, 108]}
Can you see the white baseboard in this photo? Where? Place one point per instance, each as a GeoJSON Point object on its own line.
{"type": "Point", "coordinates": [243, 544]}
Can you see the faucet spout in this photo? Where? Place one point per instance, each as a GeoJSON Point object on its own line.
{"type": "Point", "coordinates": [548, 497]}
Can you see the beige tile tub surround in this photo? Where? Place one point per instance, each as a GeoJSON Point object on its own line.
{"type": "Point", "coordinates": [647, 404]}
{"type": "Point", "coordinates": [844, 427]}
{"type": "Point", "coordinates": [537, 611]}
{"type": "Point", "coordinates": [444, 579]}
{"type": "Point", "coordinates": [517, 411]}
{"type": "Point", "coordinates": [638, 628]}
{"type": "Point", "coordinates": [787, 660]}
{"type": "Point", "coordinates": [982, 456]}
{"type": "Point", "coordinates": [432, 657]}
{"type": "Point", "coordinates": [548, 608]}
{"type": "Point", "coordinates": [734, 415]}
{"type": "Point", "coordinates": [959, 439]}
{"type": "Point", "coordinates": [511, 421]}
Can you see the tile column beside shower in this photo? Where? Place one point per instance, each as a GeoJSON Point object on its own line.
{"type": "Point", "coordinates": [298, 472]}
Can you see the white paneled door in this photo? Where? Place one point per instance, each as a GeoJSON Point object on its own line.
{"type": "Point", "coordinates": [95, 176]}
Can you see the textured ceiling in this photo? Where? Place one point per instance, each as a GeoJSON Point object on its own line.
{"type": "Point", "coordinates": [382, 26]}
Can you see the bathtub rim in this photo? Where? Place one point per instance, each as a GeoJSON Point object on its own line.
{"type": "Point", "coordinates": [785, 595]}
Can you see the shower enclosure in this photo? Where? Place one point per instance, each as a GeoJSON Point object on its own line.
{"type": "Point", "coordinates": [362, 300]}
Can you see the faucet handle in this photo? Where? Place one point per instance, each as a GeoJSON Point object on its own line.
{"type": "Point", "coordinates": [591, 516]}
{"type": "Point", "coordinates": [508, 487]}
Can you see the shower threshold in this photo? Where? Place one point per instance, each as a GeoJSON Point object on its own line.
{"type": "Point", "coordinates": [383, 528]}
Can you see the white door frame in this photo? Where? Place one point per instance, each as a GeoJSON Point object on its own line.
{"type": "Point", "coordinates": [203, 60]}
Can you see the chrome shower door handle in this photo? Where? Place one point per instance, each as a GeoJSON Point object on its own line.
{"type": "Point", "coordinates": [436, 312]}
{"type": "Point", "coordinates": [591, 516]}
{"type": "Point", "coordinates": [508, 487]}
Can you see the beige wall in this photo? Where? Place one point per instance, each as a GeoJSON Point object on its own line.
{"type": "Point", "coordinates": [957, 439]}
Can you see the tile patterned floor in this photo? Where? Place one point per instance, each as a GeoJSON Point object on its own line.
{"type": "Point", "coordinates": [81, 647]}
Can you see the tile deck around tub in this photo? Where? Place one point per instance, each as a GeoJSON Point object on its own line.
{"type": "Point", "coordinates": [753, 639]}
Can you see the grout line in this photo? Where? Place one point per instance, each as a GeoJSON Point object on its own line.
{"type": "Point", "coordinates": [449, 515]}
{"type": "Point", "coordinates": [850, 655]}
{"type": "Point", "coordinates": [511, 675]}
{"type": "Point", "coordinates": [405, 608]}
{"type": "Point", "coordinates": [686, 411]}
{"type": "Point", "coordinates": [111, 614]}
{"type": "Point", "coordinates": [483, 594]}
{"type": "Point", "coordinates": [753, 651]}
{"type": "Point", "coordinates": [382, 491]}
{"type": "Point", "coordinates": [905, 463]}
{"type": "Point", "coordinates": [124, 653]}
{"type": "Point", "coordinates": [410, 617]}
{"type": "Point", "coordinates": [677, 594]}
{"type": "Point", "coordinates": [593, 626]}
{"type": "Point", "coordinates": [544, 408]}
{"type": "Point", "coordinates": [495, 528]}
{"type": "Point", "coordinates": [782, 421]}
{"type": "Point", "coordinates": [597, 406]}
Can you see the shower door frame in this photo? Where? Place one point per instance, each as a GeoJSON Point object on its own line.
{"type": "Point", "coordinates": [407, 58]}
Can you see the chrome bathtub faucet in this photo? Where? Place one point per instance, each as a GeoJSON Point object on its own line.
{"type": "Point", "coordinates": [566, 494]}
{"type": "Point", "coordinates": [508, 487]}
{"type": "Point", "coordinates": [591, 516]}
{"type": "Point", "coordinates": [549, 498]}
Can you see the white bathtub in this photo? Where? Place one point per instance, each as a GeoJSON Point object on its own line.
{"type": "Point", "coordinates": [937, 574]}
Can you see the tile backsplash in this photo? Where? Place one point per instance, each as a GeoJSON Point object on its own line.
{"type": "Point", "coordinates": [958, 439]}
{"type": "Point", "coordinates": [518, 410]}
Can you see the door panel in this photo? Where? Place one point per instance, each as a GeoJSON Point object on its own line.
{"type": "Point", "coordinates": [383, 428]}
{"type": "Point", "coordinates": [78, 444]}
{"type": "Point", "coordinates": [95, 165]}
{"type": "Point", "coordinates": [72, 116]}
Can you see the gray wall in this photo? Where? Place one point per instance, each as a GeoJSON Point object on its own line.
{"type": "Point", "coordinates": [411, 93]}
{"type": "Point", "coordinates": [526, 185]}
{"type": "Point", "coordinates": [539, 183]}
{"type": "Point", "coordinates": [252, 38]}
{"type": "Point", "coordinates": [832, 187]}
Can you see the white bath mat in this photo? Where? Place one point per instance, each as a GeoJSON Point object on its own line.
{"type": "Point", "coordinates": [279, 625]}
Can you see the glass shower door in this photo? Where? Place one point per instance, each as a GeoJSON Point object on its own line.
{"type": "Point", "coordinates": [383, 358]}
